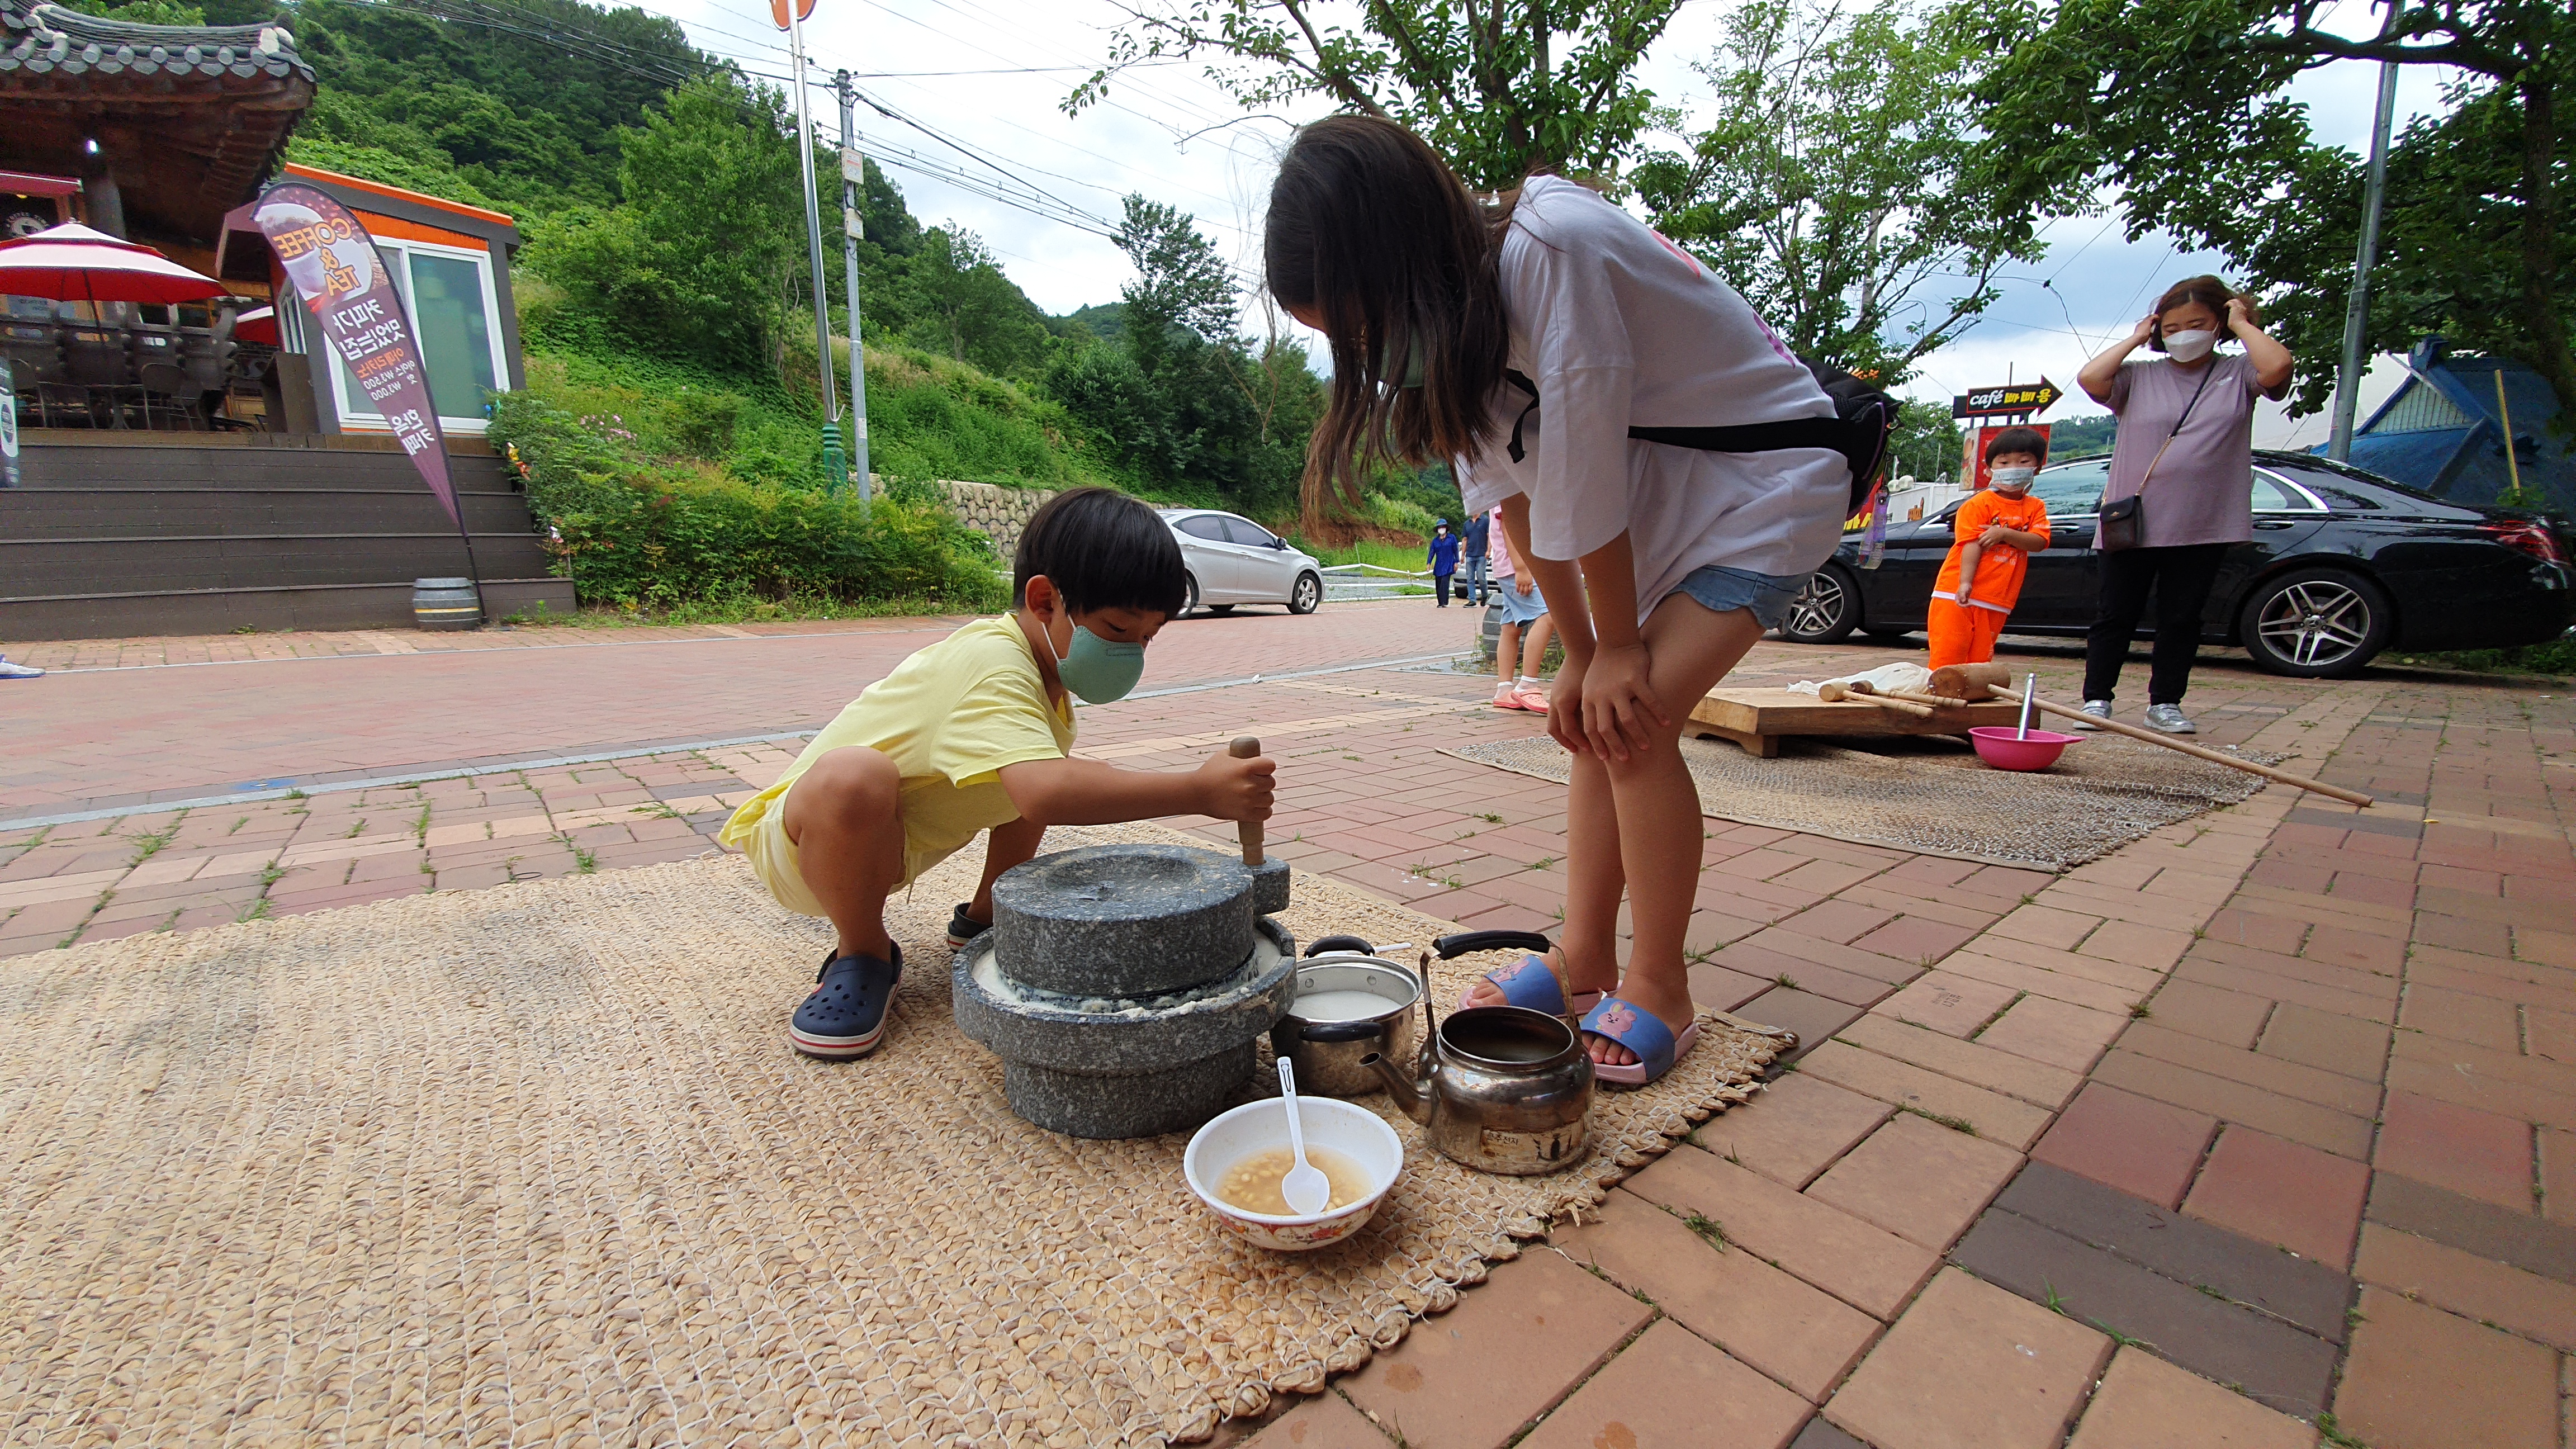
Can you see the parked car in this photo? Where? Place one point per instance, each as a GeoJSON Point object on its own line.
{"type": "Point", "coordinates": [1237, 561]}
{"type": "Point", "coordinates": [2344, 564]}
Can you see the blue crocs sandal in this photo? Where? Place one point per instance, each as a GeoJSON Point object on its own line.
{"type": "Point", "coordinates": [1533, 984]}
{"type": "Point", "coordinates": [846, 1015]}
{"type": "Point", "coordinates": [1642, 1032]}
{"type": "Point", "coordinates": [963, 928]}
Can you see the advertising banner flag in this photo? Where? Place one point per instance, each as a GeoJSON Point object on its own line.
{"type": "Point", "coordinates": [342, 278]}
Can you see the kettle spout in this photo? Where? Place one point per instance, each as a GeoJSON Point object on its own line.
{"type": "Point", "coordinates": [1411, 1093]}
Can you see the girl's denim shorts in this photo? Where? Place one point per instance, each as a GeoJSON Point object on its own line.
{"type": "Point", "coordinates": [1722, 590]}
{"type": "Point", "coordinates": [1519, 608]}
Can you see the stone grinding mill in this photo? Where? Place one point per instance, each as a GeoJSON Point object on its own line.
{"type": "Point", "coordinates": [1124, 986]}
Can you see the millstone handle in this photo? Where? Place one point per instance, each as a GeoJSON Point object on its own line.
{"type": "Point", "coordinates": [1246, 747]}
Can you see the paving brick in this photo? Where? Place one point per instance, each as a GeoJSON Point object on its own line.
{"type": "Point", "coordinates": [2253, 981]}
{"type": "Point", "coordinates": [2134, 943]}
{"type": "Point", "coordinates": [1979, 1065]}
{"type": "Point", "coordinates": [1951, 1004]}
{"type": "Point", "coordinates": [2277, 1364]}
{"type": "Point", "coordinates": [2344, 1094]}
{"type": "Point", "coordinates": [1326, 1421]}
{"type": "Point", "coordinates": [2471, 1286]}
{"type": "Point", "coordinates": [2342, 1044]}
{"type": "Point", "coordinates": [2338, 1132]}
{"type": "Point", "coordinates": [2420, 1378]}
{"type": "Point", "coordinates": [1669, 1390]}
{"type": "Point", "coordinates": [2220, 1014]}
{"type": "Point", "coordinates": [1919, 938]}
{"type": "Point", "coordinates": [2294, 1290]}
{"type": "Point", "coordinates": [2008, 1120]}
{"type": "Point", "coordinates": [1821, 1434]}
{"type": "Point", "coordinates": [2484, 1020]}
{"type": "Point", "coordinates": [1865, 1266]}
{"type": "Point", "coordinates": [1794, 1128]}
{"type": "Point", "coordinates": [2277, 1191]}
{"type": "Point", "coordinates": [1970, 1366]}
{"type": "Point", "coordinates": [2530, 1243]}
{"type": "Point", "coordinates": [2054, 1032]}
{"type": "Point", "coordinates": [1919, 1180]}
{"type": "Point", "coordinates": [1470, 1378]}
{"type": "Point", "coordinates": [2047, 926]}
{"type": "Point", "coordinates": [1813, 1018]}
{"type": "Point", "coordinates": [2478, 1154]}
{"type": "Point", "coordinates": [2057, 985]}
{"type": "Point", "coordinates": [2557, 1174]}
{"type": "Point", "coordinates": [1802, 1336]}
{"type": "Point", "coordinates": [2147, 1403]}
{"type": "Point", "coordinates": [2146, 1148]}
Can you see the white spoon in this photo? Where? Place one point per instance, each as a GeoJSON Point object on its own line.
{"type": "Point", "coordinates": [1305, 1187]}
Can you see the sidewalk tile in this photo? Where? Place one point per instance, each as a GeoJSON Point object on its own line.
{"type": "Point", "coordinates": [2007, 1120]}
{"type": "Point", "coordinates": [1970, 1366]}
{"type": "Point", "coordinates": [1920, 1180]}
{"type": "Point", "coordinates": [1794, 1128]}
{"type": "Point", "coordinates": [2370, 1006]}
{"type": "Point", "coordinates": [1865, 1266]}
{"type": "Point", "coordinates": [2278, 1365]}
{"type": "Point", "coordinates": [2289, 1079]}
{"type": "Point", "coordinates": [2471, 1286]}
{"type": "Point", "coordinates": [2419, 1378]}
{"type": "Point", "coordinates": [2338, 1132]}
{"type": "Point", "coordinates": [2220, 1014]}
{"type": "Point", "coordinates": [1802, 1336]}
{"type": "Point", "coordinates": [2053, 1032]}
{"type": "Point", "coordinates": [2530, 1243]}
{"type": "Point", "coordinates": [2478, 1154]}
{"type": "Point", "coordinates": [1950, 1004]}
{"type": "Point", "coordinates": [1470, 1378]}
{"type": "Point", "coordinates": [2146, 1403]}
{"type": "Point", "coordinates": [1973, 1062]}
{"type": "Point", "coordinates": [2346, 1045]}
{"type": "Point", "coordinates": [2277, 1191]}
{"type": "Point", "coordinates": [1813, 1018]}
{"type": "Point", "coordinates": [2064, 986]}
{"type": "Point", "coordinates": [2133, 944]}
{"type": "Point", "coordinates": [1669, 1390]}
{"type": "Point", "coordinates": [1326, 1421]}
{"type": "Point", "coordinates": [2142, 1147]}
{"type": "Point", "coordinates": [2046, 926]}
{"type": "Point", "coordinates": [2483, 1020]}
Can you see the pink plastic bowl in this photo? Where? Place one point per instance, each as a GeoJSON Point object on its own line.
{"type": "Point", "coordinates": [1997, 747]}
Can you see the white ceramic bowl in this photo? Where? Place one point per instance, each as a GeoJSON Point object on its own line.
{"type": "Point", "coordinates": [1355, 1132]}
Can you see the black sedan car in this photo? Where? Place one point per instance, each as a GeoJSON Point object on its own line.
{"type": "Point", "coordinates": [2343, 565]}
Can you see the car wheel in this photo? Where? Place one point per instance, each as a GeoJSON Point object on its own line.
{"type": "Point", "coordinates": [2316, 623]}
{"type": "Point", "coordinates": [1190, 600]}
{"type": "Point", "coordinates": [1308, 593]}
{"type": "Point", "coordinates": [1825, 610]}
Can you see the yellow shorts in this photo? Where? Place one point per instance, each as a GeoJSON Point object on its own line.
{"type": "Point", "coordinates": [773, 858]}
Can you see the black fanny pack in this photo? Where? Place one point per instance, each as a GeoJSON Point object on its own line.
{"type": "Point", "coordinates": [1864, 417]}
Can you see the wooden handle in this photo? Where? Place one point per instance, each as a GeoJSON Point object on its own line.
{"type": "Point", "coordinates": [1940, 701]}
{"type": "Point", "coordinates": [1245, 747]}
{"type": "Point", "coordinates": [1846, 693]}
{"type": "Point", "coordinates": [2354, 797]}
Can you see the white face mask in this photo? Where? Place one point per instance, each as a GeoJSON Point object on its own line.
{"type": "Point", "coordinates": [2189, 346]}
{"type": "Point", "coordinates": [2013, 480]}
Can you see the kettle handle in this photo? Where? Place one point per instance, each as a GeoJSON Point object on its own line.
{"type": "Point", "coordinates": [1341, 943]}
{"type": "Point", "coordinates": [1452, 947]}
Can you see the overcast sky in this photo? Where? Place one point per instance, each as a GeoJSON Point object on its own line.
{"type": "Point", "coordinates": [1171, 134]}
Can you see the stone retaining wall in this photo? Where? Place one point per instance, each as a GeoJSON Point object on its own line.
{"type": "Point", "coordinates": [997, 513]}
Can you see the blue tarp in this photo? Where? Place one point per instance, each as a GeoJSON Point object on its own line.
{"type": "Point", "coordinates": [2466, 464]}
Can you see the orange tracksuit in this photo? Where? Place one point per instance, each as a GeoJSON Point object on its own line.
{"type": "Point", "coordinates": [1966, 633]}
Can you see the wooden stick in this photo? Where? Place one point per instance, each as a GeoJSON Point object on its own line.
{"type": "Point", "coordinates": [1839, 693]}
{"type": "Point", "coordinates": [1939, 701]}
{"type": "Point", "coordinates": [2230, 761]}
{"type": "Point", "coordinates": [1245, 747]}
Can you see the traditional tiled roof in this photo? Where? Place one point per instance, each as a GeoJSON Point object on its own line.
{"type": "Point", "coordinates": [48, 40]}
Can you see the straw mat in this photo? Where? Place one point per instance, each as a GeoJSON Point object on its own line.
{"type": "Point", "coordinates": [535, 1164]}
{"type": "Point", "coordinates": [1931, 795]}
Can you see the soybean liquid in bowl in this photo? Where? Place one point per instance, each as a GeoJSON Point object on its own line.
{"type": "Point", "coordinates": [1341, 1005]}
{"type": "Point", "coordinates": [1252, 1183]}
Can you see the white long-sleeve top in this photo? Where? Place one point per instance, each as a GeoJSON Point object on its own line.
{"type": "Point", "coordinates": [1618, 327]}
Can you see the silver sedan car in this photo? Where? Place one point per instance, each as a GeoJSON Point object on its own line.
{"type": "Point", "coordinates": [1233, 560]}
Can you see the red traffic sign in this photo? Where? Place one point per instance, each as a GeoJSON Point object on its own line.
{"type": "Point", "coordinates": [2013, 400]}
{"type": "Point", "coordinates": [778, 12]}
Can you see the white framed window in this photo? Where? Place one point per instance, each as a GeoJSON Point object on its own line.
{"type": "Point", "coordinates": [456, 316]}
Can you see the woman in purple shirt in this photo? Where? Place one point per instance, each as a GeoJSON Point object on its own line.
{"type": "Point", "coordinates": [2185, 450]}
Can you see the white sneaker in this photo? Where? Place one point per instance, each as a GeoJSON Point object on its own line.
{"type": "Point", "coordinates": [2093, 709]}
{"type": "Point", "coordinates": [19, 671]}
{"type": "Point", "coordinates": [2169, 719]}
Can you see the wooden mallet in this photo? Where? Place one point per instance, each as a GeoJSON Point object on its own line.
{"type": "Point", "coordinates": [1246, 747]}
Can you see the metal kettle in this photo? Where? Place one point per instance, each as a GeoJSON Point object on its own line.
{"type": "Point", "coordinates": [1502, 1089]}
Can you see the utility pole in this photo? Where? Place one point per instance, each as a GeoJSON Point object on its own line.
{"type": "Point", "coordinates": [2356, 314]}
{"type": "Point", "coordinates": [833, 464]}
{"type": "Point", "coordinates": [853, 204]}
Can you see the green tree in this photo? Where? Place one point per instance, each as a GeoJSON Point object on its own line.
{"type": "Point", "coordinates": [1499, 90]}
{"type": "Point", "coordinates": [1835, 189]}
{"type": "Point", "coordinates": [2181, 104]}
{"type": "Point", "coordinates": [965, 307]}
{"type": "Point", "coordinates": [1180, 280]}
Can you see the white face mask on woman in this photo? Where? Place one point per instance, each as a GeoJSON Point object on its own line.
{"type": "Point", "coordinates": [2190, 346]}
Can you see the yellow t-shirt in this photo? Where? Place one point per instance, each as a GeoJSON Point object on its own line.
{"type": "Point", "coordinates": [950, 717]}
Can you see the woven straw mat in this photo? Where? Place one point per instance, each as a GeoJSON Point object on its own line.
{"type": "Point", "coordinates": [536, 1164]}
{"type": "Point", "coordinates": [1933, 796]}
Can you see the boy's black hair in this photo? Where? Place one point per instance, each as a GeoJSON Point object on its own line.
{"type": "Point", "coordinates": [1102, 550]}
{"type": "Point", "coordinates": [2018, 440]}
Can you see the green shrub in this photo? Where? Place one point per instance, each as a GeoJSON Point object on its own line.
{"type": "Point", "coordinates": [664, 534]}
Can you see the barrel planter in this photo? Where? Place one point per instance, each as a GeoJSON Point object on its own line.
{"type": "Point", "coordinates": [445, 604]}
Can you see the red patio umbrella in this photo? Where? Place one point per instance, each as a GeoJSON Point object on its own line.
{"type": "Point", "coordinates": [71, 263]}
{"type": "Point", "coordinates": [257, 325]}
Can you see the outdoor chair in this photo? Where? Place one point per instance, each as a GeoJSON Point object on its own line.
{"type": "Point", "coordinates": [100, 368]}
{"type": "Point", "coordinates": [169, 392]}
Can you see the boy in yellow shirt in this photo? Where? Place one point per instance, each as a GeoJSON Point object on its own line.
{"type": "Point", "coordinates": [1997, 530]}
{"type": "Point", "coordinates": [971, 734]}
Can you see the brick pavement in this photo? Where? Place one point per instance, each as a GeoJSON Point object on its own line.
{"type": "Point", "coordinates": [2268, 1116]}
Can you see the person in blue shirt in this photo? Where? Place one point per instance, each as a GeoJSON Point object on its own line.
{"type": "Point", "coordinates": [1443, 558]}
{"type": "Point", "coordinates": [1477, 542]}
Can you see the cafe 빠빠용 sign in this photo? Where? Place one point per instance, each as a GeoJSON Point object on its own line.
{"type": "Point", "coordinates": [341, 276]}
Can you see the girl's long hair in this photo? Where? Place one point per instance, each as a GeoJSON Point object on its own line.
{"type": "Point", "coordinates": [1370, 231]}
{"type": "Point", "coordinates": [2209, 292]}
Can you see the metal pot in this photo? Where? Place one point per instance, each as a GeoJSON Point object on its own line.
{"type": "Point", "coordinates": [1328, 1054]}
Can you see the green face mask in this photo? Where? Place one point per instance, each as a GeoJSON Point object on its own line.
{"type": "Point", "coordinates": [1099, 670]}
{"type": "Point", "coordinates": [1412, 374]}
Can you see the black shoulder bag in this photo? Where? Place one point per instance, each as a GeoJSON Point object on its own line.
{"type": "Point", "coordinates": [2123, 522]}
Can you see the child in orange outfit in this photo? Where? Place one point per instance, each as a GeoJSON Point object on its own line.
{"type": "Point", "coordinates": [1997, 532]}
